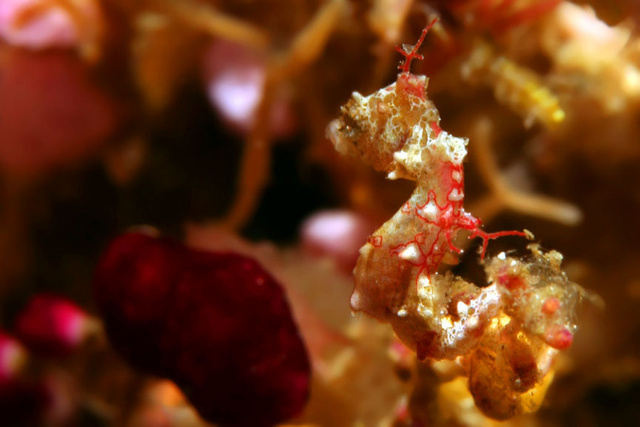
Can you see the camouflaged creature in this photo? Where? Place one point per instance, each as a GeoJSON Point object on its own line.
{"type": "Point", "coordinates": [505, 334]}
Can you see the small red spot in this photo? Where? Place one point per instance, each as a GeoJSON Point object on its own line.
{"type": "Point", "coordinates": [513, 282]}
{"type": "Point", "coordinates": [435, 128]}
{"type": "Point", "coordinates": [375, 241]}
{"type": "Point", "coordinates": [558, 337]}
{"type": "Point", "coordinates": [406, 208]}
{"type": "Point", "coordinates": [551, 305]}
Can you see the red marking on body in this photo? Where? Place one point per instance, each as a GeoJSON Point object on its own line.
{"type": "Point", "coordinates": [376, 241]}
{"type": "Point", "coordinates": [412, 85]}
{"type": "Point", "coordinates": [448, 219]}
{"type": "Point", "coordinates": [550, 305]}
{"type": "Point", "coordinates": [417, 242]}
{"type": "Point", "coordinates": [435, 128]}
{"type": "Point", "coordinates": [558, 337]}
{"type": "Point", "coordinates": [490, 236]}
{"type": "Point", "coordinates": [448, 183]}
{"type": "Point", "coordinates": [406, 208]}
{"type": "Point", "coordinates": [513, 282]}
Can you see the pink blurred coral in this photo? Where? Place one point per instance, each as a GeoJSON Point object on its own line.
{"type": "Point", "coordinates": [234, 76]}
{"type": "Point", "coordinates": [51, 326]}
{"type": "Point", "coordinates": [36, 24]}
{"type": "Point", "coordinates": [337, 235]}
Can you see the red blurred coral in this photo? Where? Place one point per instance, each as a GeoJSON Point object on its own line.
{"type": "Point", "coordinates": [216, 323]}
{"type": "Point", "coordinates": [133, 288]}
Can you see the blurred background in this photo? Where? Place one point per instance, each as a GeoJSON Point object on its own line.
{"type": "Point", "coordinates": [205, 119]}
